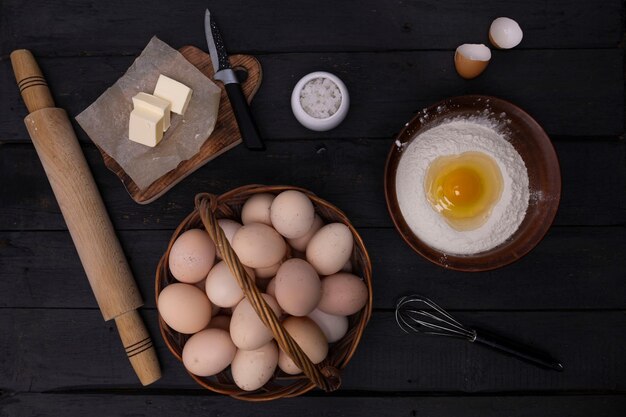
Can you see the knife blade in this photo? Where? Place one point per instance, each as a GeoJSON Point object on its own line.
{"type": "Point", "coordinates": [225, 74]}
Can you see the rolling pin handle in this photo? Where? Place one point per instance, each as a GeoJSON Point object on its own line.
{"type": "Point", "coordinates": [139, 347]}
{"type": "Point", "coordinates": [30, 80]}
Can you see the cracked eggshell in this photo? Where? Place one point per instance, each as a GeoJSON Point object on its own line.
{"type": "Point", "coordinates": [252, 369]}
{"type": "Point", "coordinates": [470, 60]}
{"type": "Point", "coordinates": [505, 33]}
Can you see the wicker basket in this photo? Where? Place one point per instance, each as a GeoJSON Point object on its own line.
{"type": "Point", "coordinates": [324, 375]}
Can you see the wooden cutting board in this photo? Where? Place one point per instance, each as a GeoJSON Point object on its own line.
{"type": "Point", "coordinates": [224, 137]}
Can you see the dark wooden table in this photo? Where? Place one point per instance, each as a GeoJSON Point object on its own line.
{"type": "Point", "coordinates": [568, 296]}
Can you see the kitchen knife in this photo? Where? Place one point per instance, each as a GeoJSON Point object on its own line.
{"type": "Point", "coordinates": [225, 74]}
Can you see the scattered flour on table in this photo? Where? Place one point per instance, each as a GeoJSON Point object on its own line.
{"type": "Point", "coordinates": [454, 137]}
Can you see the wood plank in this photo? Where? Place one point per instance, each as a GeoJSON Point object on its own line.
{"type": "Point", "coordinates": [63, 349]}
{"type": "Point", "coordinates": [573, 268]}
{"type": "Point", "coordinates": [79, 27]}
{"type": "Point", "coordinates": [96, 405]}
{"type": "Point", "coordinates": [592, 172]}
{"type": "Point", "coordinates": [561, 88]}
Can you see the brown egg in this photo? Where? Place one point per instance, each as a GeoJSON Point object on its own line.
{"type": "Point", "coordinates": [269, 272]}
{"type": "Point", "coordinates": [330, 248]}
{"type": "Point", "coordinates": [192, 256]}
{"type": "Point", "coordinates": [229, 227]}
{"type": "Point", "coordinates": [184, 308]}
{"type": "Point", "coordinates": [257, 209]}
{"type": "Point", "coordinates": [470, 60]}
{"type": "Point", "coordinates": [271, 287]}
{"type": "Point", "coordinates": [246, 328]}
{"type": "Point", "coordinates": [208, 352]}
{"type": "Point", "coordinates": [292, 214]}
{"type": "Point", "coordinates": [301, 243]}
{"type": "Point", "coordinates": [298, 287]}
{"type": "Point", "coordinates": [309, 337]}
{"type": "Point", "coordinates": [259, 246]}
{"type": "Point", "coordinates": [343, 294]}
{"type": "Point", "coordinates": [220, 322]}
{"type": "Point", "coordinates": [252, 369]}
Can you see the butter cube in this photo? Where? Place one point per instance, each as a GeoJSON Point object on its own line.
{"type": "Point", "coordinates": [145, 127]}
{"type": "Point", "coordinates": [173, 91]}
{"type": "Point", "coordinates": [155, 104]}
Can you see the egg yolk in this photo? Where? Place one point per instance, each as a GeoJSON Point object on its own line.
{"type": "Point", "coordinates": [464, 188]}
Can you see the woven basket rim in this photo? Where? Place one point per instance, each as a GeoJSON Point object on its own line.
{"type": "Point", "coordinates": [342, 351]}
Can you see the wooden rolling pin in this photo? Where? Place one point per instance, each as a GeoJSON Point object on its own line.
{"type": "Point", "coordinates": [99, 250]}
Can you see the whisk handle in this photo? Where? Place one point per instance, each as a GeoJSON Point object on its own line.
{"type": "Point", "coordinates": [517, 350]}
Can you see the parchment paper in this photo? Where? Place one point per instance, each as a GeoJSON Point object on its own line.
{"type": "Point", "coordinates": [106, 120]}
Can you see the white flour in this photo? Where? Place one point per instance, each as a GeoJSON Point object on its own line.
{"type": "Point", "coordinates": [454, 137]}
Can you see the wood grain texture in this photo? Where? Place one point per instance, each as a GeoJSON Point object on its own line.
{"type": "Point", "coordinates": [395, 56]}
{"type": "Point", "coordinates": [574, 268]}
{"type": "Point", "coordinates": [83, 212]}
{"type": "Point", "coordinates": [591, 171]}
{"type": "Point", "coordinates": [138, 346]}
{"type": "Point", "coordinates": [30, 81]}
{"type": "Point", "coordinates": [325, 25]}
{"type": "Point", "coordinates": [225, 135]}
{"type": "Point", "coordinates": [155, 405]}
{"type": "Point", "coordinates": [40, 353]}
{"type": "Point", "coordinates": [569, 92]}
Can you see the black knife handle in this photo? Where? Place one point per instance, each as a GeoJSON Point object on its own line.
{"type": "Point", "coordinates": [247, 127]}
{"type": "Point", "coordinates": [525, 353]}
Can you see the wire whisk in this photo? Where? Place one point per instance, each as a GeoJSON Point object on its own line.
{"type": "Point", "coordinates": [417, 314]}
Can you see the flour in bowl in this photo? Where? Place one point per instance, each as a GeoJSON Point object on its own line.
{"type": "Point", "coordinates": [453, 138]}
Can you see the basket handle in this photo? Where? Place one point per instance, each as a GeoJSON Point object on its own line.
{"type": "Point", "coordinates": [326, 377]}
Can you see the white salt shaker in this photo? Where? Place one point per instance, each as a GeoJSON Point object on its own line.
{"type": "Point", "coordinates": [320, 101]}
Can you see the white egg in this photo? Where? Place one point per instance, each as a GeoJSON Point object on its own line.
{"type": "Point", "coordinates": [334, 327]}
{"type": "Point", "coordinates": [505, 33]}
{"type": "Point", "coordinates": [221, 286]}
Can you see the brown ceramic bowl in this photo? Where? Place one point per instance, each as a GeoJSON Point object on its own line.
{"type": "Point", "coordinates": [535, 148]}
